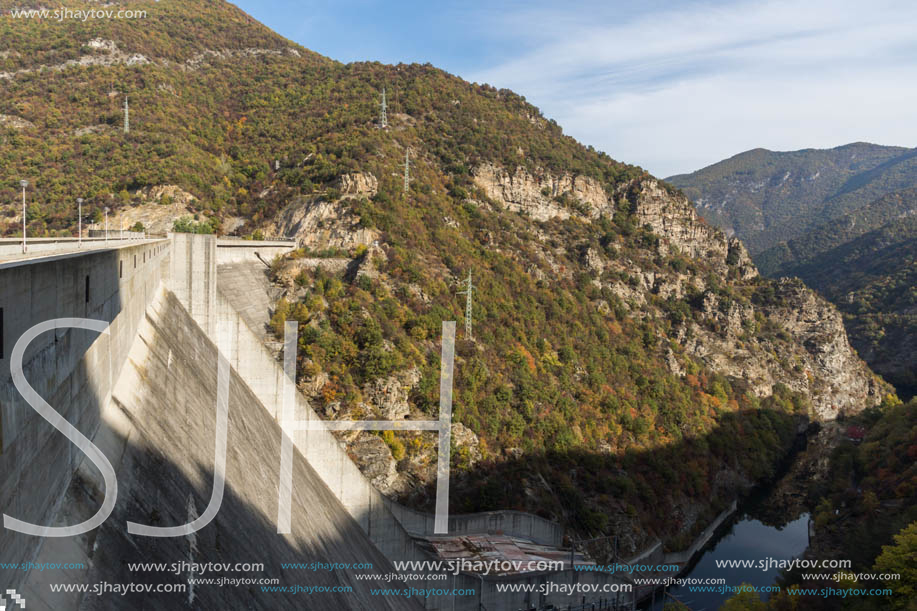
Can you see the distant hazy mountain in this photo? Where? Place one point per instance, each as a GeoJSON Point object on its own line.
{"type": "Point", "coordinates": [866, 263]}
{"type": "Point", "coordinates": [767, 197]}
{"type": "Point", "coordinates": [796, 256]}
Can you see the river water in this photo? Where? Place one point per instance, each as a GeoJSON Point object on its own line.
{"type": "Point", "coordinates": [747, 539]}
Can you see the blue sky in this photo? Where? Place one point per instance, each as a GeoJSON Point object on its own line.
{"type": "Point", "coordinates": [671, 86]}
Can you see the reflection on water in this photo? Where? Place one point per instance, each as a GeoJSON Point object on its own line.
{"type": "Point", "coordinates": [748, 539]}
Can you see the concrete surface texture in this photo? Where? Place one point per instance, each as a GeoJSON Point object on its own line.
{"type": "Point", "coordinates": [192, 275]}
{"type": "Point", "coordinates": [73, 370]}
{"type": "Point", "coordinates": [249, 291]}
{"type": "Point", "coordinates": [158, 431]}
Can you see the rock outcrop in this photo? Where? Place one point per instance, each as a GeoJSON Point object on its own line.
{"type": "Point", "coordinates": [358, 183]}
{"type": "Point", "coordinates": [318, 224]}
{"type": "Point", "coordinates": [162, 194]}
{"type": "Point", "coordinates": [536, 194]}
{"type": "Point", "coordinates": [806, 346]}
{"type": "Point", "coordinates": [837, 378]}
{"type": "Point", "coordinates": [377, 464]}
{"type": "Point", "coordinates": [467, 443]}
{"type": "Point", "coordinates": [15, 122]}
{"type": "Point", "coordinates": [161, 206]}
{"type": "Point", "coordinates": [389, 396]}
{"type": "Point", "coordinates": [674, 218]}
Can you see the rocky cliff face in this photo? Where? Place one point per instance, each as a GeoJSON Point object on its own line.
{"type": "Point", "coordinates": [359, 183]}
{"type": "Point", "coordinates": [820, 362]}
{"type": "Point", "coordinates": [657, 265]}
{"type": "Point", "coordinates": [318, 223]}
{"type": "Point", "coordinates": [535, 194]}
{"type": "Point", "coordinates": [793, 337]}
{"type": "Point", "coordinates": [806, 347]}
{"type": "Point", "coordinates": [673, 217]}
{"type": "Point", "coordinates": [540, 196]}
{"type": "Point", "coordinates": [756, 332]}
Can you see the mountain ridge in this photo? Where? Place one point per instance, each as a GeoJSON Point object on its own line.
{"type": "Point", "coordinates": [765, 197]}
{"type": "Point", "coordinates": [853, 241]}
{"type": "Point", "coordinates": [608, 317]}
{"type": "Point", "coordinates": [865, 263]}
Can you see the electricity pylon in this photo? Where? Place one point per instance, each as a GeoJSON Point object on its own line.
{"type": "Point", "coordinates": [407, 170]}
{"type": "Point", "coordinates": [467, 292]}
{"type": "Point", "coordinates": [383, 118]}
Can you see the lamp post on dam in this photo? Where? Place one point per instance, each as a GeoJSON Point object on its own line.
{"type": "Point", "coordinates": [79, 222]}
{"type": "Point", "coordinates": [23, 184]}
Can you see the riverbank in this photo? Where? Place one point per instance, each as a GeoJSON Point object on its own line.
{"type": "Point", "coordinates": [743, 511]}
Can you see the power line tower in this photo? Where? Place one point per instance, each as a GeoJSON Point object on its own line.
{"type": "Point", "coordinates": [383, 118]}
{"type": "Point", "coordinates": [467, 292]}
{"type": "Point", "coordinates": [407, 170]}
{"type": "Point", "coordinates": [127, 118]}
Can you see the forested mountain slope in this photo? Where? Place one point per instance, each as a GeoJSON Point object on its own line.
{"type": "Point", "coordinates": [840, 219]}
{"type": "Point", "coordinates": [866, 263]}
{"type": "Point", "coordinates": [628, 363]}
{"type": "Point", "coordinates": [766, 197]}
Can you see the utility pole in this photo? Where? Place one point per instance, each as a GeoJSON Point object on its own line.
{"type": "Point", "coordinates": [23, 184]}
{"type": "Point", "coordinates": [467, 292]}
{"type": "Point", "coordinates": [106, 224]}
{"type": "Point", "coordinates": [79, 221]}
{"type": "Point", "coordinates": [127, 118]}
{"type": "Point", "coordinates": [383, 118]}
{"type": "Point", "coordinates": [407, 171]}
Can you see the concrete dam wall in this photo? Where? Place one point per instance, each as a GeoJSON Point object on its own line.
{"type": "Point", "coordinates": [159, 431]}
{"type": "Point", "coordinates": [73, 369]}
{"type": "Point", "coordinates": [145, 394]}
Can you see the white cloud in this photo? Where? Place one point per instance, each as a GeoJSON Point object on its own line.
{"type": "Point", "coordinates": [678, 89]}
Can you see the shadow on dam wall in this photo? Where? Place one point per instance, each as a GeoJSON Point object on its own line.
{"type": "Point", "coordinates": [146, 396]}
{"type": "Point", "coordinates": [159, 433]}
{"type": "Point", "coordinates": [72, 369]}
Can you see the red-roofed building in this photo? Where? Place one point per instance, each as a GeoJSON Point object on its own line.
{"type": "Point", "coordinates": [855, 433]}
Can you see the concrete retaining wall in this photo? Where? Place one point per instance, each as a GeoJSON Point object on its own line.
{"type": "Point", "coordinates": [242, 251]}
{"type": "Point", "coordinates": [74, 370]}
{"type": "Point", "coordinates": [684, 556]}
{"type": "Point", "coordinates": [510, 523]}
